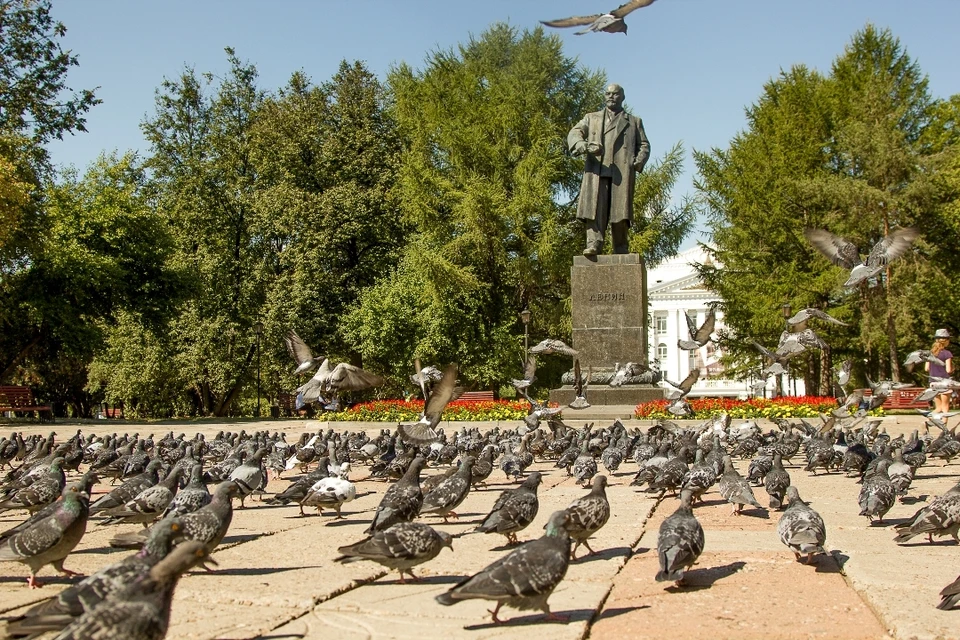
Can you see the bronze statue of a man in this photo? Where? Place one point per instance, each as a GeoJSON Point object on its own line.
{"type": "Point", "coordinates": [615, 146]}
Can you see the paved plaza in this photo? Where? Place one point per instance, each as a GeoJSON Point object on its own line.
{"type": "Point", "coordinates": [277, 579]}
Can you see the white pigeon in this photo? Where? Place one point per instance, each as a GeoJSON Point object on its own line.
{"type": "Point", "coordinates": [329, 493]}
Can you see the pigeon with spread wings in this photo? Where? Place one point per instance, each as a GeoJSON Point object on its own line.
{"type": "Point", "coordinates": [301, 353]}
{"type": "Point", "coordinates": [611, 22]}
{"type": "Point", "coordinates": [424, 431]}
{"type": "Point", "coordinates": [844, 253]}
{"type": "Point", "coordinates": [699, 336]}
{"type": "Point", "coordinates": [552, 345]}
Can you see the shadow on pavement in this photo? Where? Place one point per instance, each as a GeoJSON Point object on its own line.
{"type": "Point", "coordinates": [705, 578]}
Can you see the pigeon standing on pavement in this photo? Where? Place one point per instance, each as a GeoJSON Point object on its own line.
{"type": "Point", "coordinates": [191, 497]}
{"type": "Point", "coordinates": [679, 542]}
{"type": "Point", "coordinates": [513, 510]}
{"type": "Point", "coordinates": [801, 528]}
{"type": "Point", "coordinates": [140, 611]}
{"type": "Point", "coordinates": [50, 540]}
{"type": "Point", "coordinates": [588, 514]}
{"type": "Point", "coordinates": [776, 482]}
{"type": "Point", "coordinates": [525, 577]}
{"type": "Point", "coordinates": [735, 489]}
{"type": "Point", "coordinates": [450, 493]}
{"type": "Point", "coordinates": [401, 502]}
{"type": "Point", "coordinates": [401, 546]}
{"type": "Point", "coordinates": [939, 518]}
{"type": "Point", "coordinates": [249, 475]}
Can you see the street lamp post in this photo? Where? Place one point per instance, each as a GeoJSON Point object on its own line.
{"type": "Point", "coordinates": [258, 329]}
{"type": "Point", "coordinates": [786, 310]}
{"type": "Point", "coordinates": [525, 317]}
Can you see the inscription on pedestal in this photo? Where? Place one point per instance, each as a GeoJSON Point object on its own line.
{"type": "Point", "coordinates": [609, 309]}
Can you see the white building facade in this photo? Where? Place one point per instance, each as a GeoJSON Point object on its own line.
{"type": "Point", "coordinates": [674, 289]}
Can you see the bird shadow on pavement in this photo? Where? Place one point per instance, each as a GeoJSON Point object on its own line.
{"type": "Point", "coordinates": [889, 522]}
{"type": "Point", "coordinates": [762, 514]}
{"type": "Point", "coordinates": [697, 579]}
{"type": "Point", "coordinates": [421, 580]}
{"type": "Point", "coordinates": [831, 563]}
{"type": "Point", "coordinates": [709, 503]}
{"type": "Point", "coordinates": [100, 551]}
{"type": "Point", "coordinates": [250, 571]}
{"type": "Point", "coordinates": [575, 615]}
{"type": "Point", "coordinates": [43, 580]}
{"type": "Point", "coordinates": [240, 539]}
{"type": "Point", "coordinates": [605, 554]}
{"type": "Point", "coordinates": [914, 499]}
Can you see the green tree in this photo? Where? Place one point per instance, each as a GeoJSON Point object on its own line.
{"type": "Point", "coordinates": [330, 226]}
{"type": "Point", "coordinates": [845, 152]}
{"type": "Point", "coordinates": [482, 172]}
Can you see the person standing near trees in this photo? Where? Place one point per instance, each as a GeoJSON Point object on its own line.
{"type": "Point", "coordinates": [616, 147]}
{"type": "Point", "coordinates": [941, 339]}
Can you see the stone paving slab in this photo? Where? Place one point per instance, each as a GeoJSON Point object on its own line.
{"type": "Point", "coordinates": [277, 577]}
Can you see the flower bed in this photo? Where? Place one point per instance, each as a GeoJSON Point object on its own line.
{"type": "Point", "coordinates": [410, 410]}
{"type": "Point", "coordinates": [783, 407]}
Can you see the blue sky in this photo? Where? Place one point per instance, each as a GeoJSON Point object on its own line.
{"type": "Point", "coordinates": [689, 67]}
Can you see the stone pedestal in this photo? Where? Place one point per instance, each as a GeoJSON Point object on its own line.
{"type": "Point", "coordinates": [609, 309]}
{"type": "Point", "coordinates": [609, 317]}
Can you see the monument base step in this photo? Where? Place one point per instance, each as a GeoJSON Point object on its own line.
{"type": "Point", "coordinates": [630, 395]}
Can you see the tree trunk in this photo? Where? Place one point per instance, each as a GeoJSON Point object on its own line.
{"type": "Point", "coordinates": [235, 390]}
{"type": "Point", "coordinates": [826, 372]}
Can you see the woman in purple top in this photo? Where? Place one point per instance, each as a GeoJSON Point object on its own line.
{"type": "Point", "coordinates": [941, 402]}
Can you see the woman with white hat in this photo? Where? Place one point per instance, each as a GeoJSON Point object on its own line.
{"type": "Point", "coordinates": [941, 339]}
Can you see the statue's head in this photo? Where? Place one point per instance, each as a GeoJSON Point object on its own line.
{"type": "Point", "coordinates": [613, 97]}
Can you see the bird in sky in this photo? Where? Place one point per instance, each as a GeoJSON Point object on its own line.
{"type": "Point", "coordinates": [611, 22]}
{"type": "Point", "coordinates": [844, 253]}
{"type": "Point", "coordinates": [301, 353]}
{"type": "Point", "coordinates": [699, 336]}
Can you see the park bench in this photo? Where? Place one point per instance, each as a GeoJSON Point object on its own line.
{"type": "Point", "coordinates": [18, 400]}
{"type": "Point", "coordinates": [901, 398]}
{"type": "Point", "coordinates": [476, 396]}
{"type": "Point", "coordinates": [114, 412]}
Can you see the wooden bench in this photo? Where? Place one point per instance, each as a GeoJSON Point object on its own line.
{"type": "Point", "coordinates": [476, 396]}
{"type": "Point", "coordinates": [286, 405]}
{"type": "Point", "coordinates": [20, 400]}
{"type": "Point", "coordinates": [902, 398]}
{"type": "Point", "coordinates": [114, 412]}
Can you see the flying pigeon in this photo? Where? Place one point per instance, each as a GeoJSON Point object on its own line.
{"type": "Point", "coordinates": [611, 22]}
{"type": "Point", "coordinates": [529, 374]}
{"type": "Point", "coordinates": [675, 391]}
{"type": "Point", "coordinates": [550, 345]}
{"type": "Point", "coordinates": [424, 431]}
{"type": "Point", "coordinates": [301, 353]}
{"type": "Point", "coordinates": [844, 253]}
{"type": "Point", "coordinates": [699, 336]}
{"type": "Point", "coordinates": [580, 384]}
{"type": "Point", "coordinates": [922, 355]}
{"type": "Point", "coordinates": [799, 319]}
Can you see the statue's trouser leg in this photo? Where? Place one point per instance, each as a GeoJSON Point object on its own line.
{"type": "Point", "coordinates": [597, 226]}
{"type": "Point", "coordinates": [620, 236]}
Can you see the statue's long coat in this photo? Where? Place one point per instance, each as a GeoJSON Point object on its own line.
{"type": "Point", "coordinates": [631, 151]}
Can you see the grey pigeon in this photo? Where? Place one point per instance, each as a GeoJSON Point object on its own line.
{"type": "Point", "coordinates": [675, 390]}
{"type": "Point", "coordinates": [801, 528]}
{"type": "Point", "coordinates": [450, 493]}
{"type": "Point", "coordinates": [66, 606]}
{"type": "Point", "coordinates": [580, 384]}
{"type": "Point", "coordinates": [402, 546]}
{"type": "Point", "coordinates": [525, 577]}
{"type": "Point", "coordinates": [149, 504]}
{"type": "Point", "coordinates": [793, 344]}
{"type": "Point", "coordinates": [776, 482]}
{"type": "Point", "coordinates": [301, 353]}
{"type": "Point", "coordinates": [845, 254]}
{"type": "Point", "coordinates": [529, 374]}
{"type": "Point", "coordinates": [39, 493]}
{"type": "Point", "coordinates": [950, 595]}
{"type": "Point", "coordinates": [939, 518]}
{"type": "Point", "coordinates": [735, 489]}
{"type": "Point", "coordinates": [298, 490]}
{"type": "Point", "coordinates": [877, 494]}
{"type": "Point", "coordinates": [249, 475]}
{"type": "Point", "coordinates": [679, 542]}
{"type": "Point", "coordinates": [140, 611]}
{"type": "Point", "coordinates": [513, 510]}
{"type": "Point", "coordinates": [588, 514]}
{"type": "Point", "coordinates": [82, 485]}
{"type": "Point", "coordinates": [843, 374]}
{"type": "Point", "coordinates": [800, 318]}
{"type": "Point", "coordinates": [208, 524]}
{"type": "Point", "coordinates": [699, 336]}
{"type": "Point", "coordinates": [401, 502]}
{"type": "Point", "coordinates": [129, 489]}
{"type": "Point", "coordinates": [424, 431]}
{"type": "Point", "coordinates": [51, 539]}
{"type": "Point", "coordinates": [611, 22]}
{"type": "Point", "coordinates": [920, 356]}
{"type": "Point", "coordinates": [191, 497]}
{"type": "Point", "coordinates": [552, 345]}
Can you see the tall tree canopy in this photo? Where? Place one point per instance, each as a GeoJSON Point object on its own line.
{"type": "Point", "coordinates": [845, 152]}
{"type": "Point", "coordinates": [482, 178]}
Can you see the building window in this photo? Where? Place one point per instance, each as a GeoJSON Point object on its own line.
{"type": "Point", "coordinates": [661, 323]}
{"type": "Point", "coordinates": [662, 352]}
